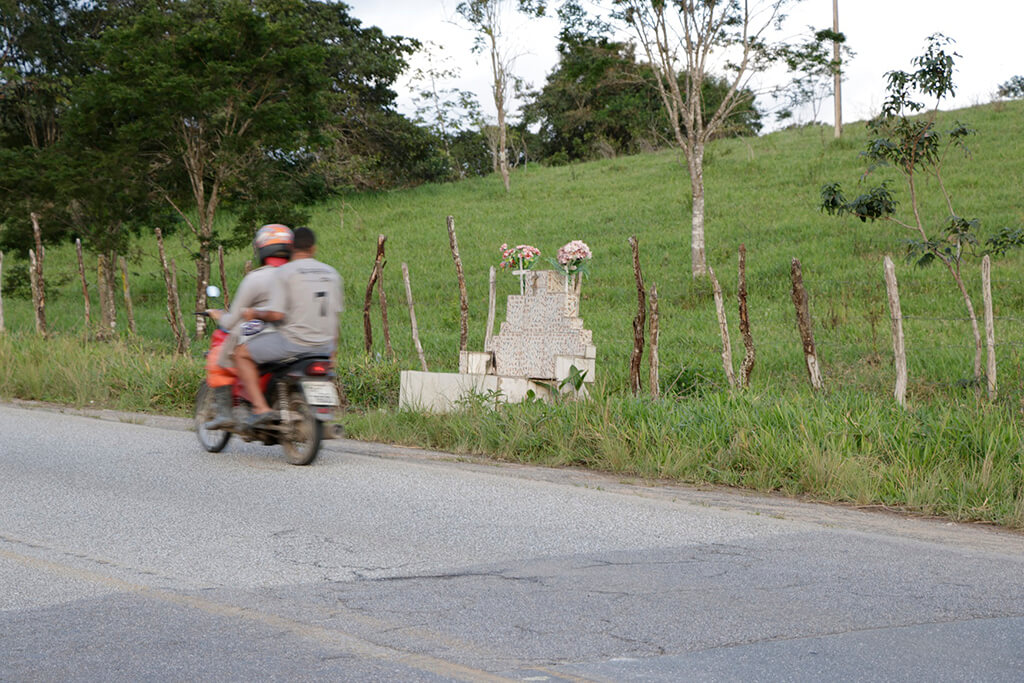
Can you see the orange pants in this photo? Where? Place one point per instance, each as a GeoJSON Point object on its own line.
{"type": "Point", "coordinates": [217, 376]}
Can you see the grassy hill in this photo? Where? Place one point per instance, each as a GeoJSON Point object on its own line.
{"type": "Point", "coordinates": [950, 452]}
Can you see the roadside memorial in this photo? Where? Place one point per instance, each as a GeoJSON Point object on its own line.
{"type": "Point", "coordinates": [541, 349]}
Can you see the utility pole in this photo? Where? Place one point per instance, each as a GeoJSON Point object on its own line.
{"type": "Point", "coordinates": [836, 75]}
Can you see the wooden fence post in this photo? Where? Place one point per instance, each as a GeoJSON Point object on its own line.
{"type": "Point", "coordinates": [747, 366]}
{"type": "Point", "coordinates": [126, 291]}
{"type": "Point", "coordinates": [990, 328]}
{"type": "Point", "coordinates": [412, 318]}
{"type": "Point", "coordinates": [896, 315]}
{"type": "Point", "coordinates": [723, 328]}
{"type": "Point", "coordinates": [38, 303]}
{"type": "Point", "coordinates": [655, 330]}
{"type": "Point", "coordinates": [182, 332]}
{"type": "Point", "coordinates": [492, 300]}
{"type": "Point", "coordinates": [374, 275]}
{"type": "Point", "coordinates": [37, 280]}
{"type": "Point", "coordinates": [463, 298]}
{"type": "Point", "coordinates": [638, 321]}
{"type": "Point", "coordinates": [173, 304]}
{"type": "Point", "coordinates": [803, 321]}
{"type": "Point", "coordinates": [385, 327]}
{"type": "Point", "coordinates": [85, 286]}
{"type": "Point", "coordinates": [1, 292]}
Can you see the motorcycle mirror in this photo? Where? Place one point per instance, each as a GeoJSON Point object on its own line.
{"type": "Point", "coordinates": [213, 291]}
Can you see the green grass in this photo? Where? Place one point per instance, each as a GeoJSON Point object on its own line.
{"type": "Point", "coordinates": [949, 453]}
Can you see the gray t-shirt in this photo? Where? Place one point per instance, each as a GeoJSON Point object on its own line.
{"type": "Point", "coordinates": [255, 291]}
{"type": "Point", "coordinates": [309, 293]}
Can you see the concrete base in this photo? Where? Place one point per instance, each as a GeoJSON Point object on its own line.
{"type": "Point", "coordinates": [441, 392]}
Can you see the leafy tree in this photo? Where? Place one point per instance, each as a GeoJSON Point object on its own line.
{"type": "Point", "coordinates": [449, 113]}
{"type": "Point", "coordinates": [914, 146]}
{"type": "Point", "coordinates": [228, 104]}
{"type": "Point", "coordinates": [814, 70]}
{"type": "Point", "coordinates": [599, 100]}
{"type": "Point", "coordinates": [694, 32]}
{"type": "Point", "coordinates": [1011, 89]}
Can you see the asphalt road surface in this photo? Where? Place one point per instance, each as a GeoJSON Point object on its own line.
{"type": "Point", "coordinates": [127, 553]}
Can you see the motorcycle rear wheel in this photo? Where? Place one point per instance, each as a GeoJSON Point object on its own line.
{"type": "Point", "coordinates": [301, 439]}
{"type": "Point", "coordinates": [214, 440]}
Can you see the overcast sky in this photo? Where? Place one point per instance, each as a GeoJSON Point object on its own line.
{"type": "Point", "coordinates": [885, 34]}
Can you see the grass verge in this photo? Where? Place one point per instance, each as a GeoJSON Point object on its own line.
{"type": "Point", "coordinates": [957, 460]}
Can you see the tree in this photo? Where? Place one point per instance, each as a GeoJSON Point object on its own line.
{"type": "Point", "coordinates": [600, 101]}
{"type": "Point", "coordinates": [816, 74]}
{"type": "Point", "coordinates": [699, 30]}
{"type": "Point", "coordinates": [1011, 89]}
{"type": "Point", "coordinates": [449, 113]}
{"type": "Point", "coordinates": [222, 99]}
{"type": "Point", "coordinates": [914, 146]}
{"type": "Point", "coordinates": [485, 17]}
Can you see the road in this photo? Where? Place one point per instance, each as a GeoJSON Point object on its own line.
{"type": "Point", "coordinates": [127, 553]}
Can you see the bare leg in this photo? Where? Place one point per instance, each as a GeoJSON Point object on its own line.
{"type": "Point", "coordinates": [247, 372]}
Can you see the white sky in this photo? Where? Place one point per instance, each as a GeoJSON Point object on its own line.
{"type": "Point", "coordinates": [885, 34]}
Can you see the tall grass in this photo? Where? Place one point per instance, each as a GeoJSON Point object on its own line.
{"type": "Point", "coordinates": [959, 461]}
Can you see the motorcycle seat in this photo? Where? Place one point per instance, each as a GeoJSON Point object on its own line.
{"type": "Point", "coordinates": [282, 363]}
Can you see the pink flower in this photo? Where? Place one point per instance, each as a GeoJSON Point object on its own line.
{"type": "Point", "coordinates": [519, 256]}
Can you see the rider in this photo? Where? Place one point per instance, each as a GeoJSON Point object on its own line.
{"type": "Point", "coordinates": [309, 298]}
{"type": "Point", "coordinates": [273, 248]}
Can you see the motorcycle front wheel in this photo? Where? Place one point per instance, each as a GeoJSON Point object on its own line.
{"type": "Point", "coordinates": [215, 440]}
{"type": "Point", "coordinates": [301, 437]}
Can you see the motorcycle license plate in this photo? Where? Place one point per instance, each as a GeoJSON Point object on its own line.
{"type": "Point", "coordinates": [320, 393]}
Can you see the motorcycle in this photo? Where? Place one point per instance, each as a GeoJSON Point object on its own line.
{"type": "Point", "coordinates": [300, 390]}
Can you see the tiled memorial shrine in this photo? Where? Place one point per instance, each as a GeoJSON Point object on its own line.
{"type": "Point", "coordinates": [536, 347]}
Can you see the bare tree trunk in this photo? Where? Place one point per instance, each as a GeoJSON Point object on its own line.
{"type": "Point", "coordinates": [412, 317]}
{"type": "Point", "coordinates": [723, 329]}
{"type": "Point", "coordinates": [698, 262]}
{"type": "Point", "coordinates": [223, 278]}
{"type": "Point", "coordinates": [463, 298]}
{"type": "Point", "coordinates": [638, 321]}
{"type": "Point", "coordinates": [85, 286]}
{"type": "Point", "coordinates": [803, 320]}
{"type": "Point", "coordinates": [39, 287]}
{"type": "Point", "coordinates": [655, 380]}
{"type": "Point", "coordinates": [990, 328]}
{"type": "Point", "coordinates": [499, 88]}
{"type": "Point", "coordinates": [898, 345]}
{"type": "Point", "coordinates": [749, 357]}
{"type": "Point", "coordinates": [126, 291]}
{"type": "Point", "coordinates": [105, 285]}
{"type": "Point", "coordinates": [374, 275]}
{"type": "Point", "coordinates": [837, 80]}
{"type": "Point", "coordinates": [1, 292]}
{"type": "Point", "coordinates": [173, 305]}
{"type": "Point", "coordinates": [248, 268]}
{"type": "Point", "coordinates": [492, 300]}
{"type": "Point", "coordinates": [202, 281]}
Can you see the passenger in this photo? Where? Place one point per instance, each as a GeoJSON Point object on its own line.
{"type": "Point", "coordinates": [309, 298]}
{"type": "Point", "coordinates": [273, 247]}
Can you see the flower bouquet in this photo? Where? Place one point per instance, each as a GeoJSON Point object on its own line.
{"type": "Point", "coordinates": [573, 260]}
{"type": "Point", "coordinates": [522, 257]}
